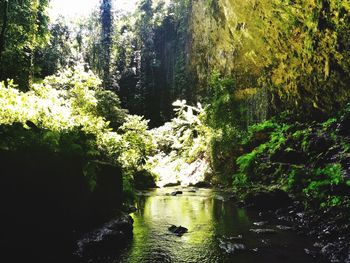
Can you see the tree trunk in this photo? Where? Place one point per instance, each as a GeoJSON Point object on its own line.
{"type": "Point", "coordinates": [106, 19]}
{"type": "Point", "coordinates": [2, 36]}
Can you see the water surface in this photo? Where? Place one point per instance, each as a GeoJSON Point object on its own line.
{"type": "Point", "coordinates": [213, 221]}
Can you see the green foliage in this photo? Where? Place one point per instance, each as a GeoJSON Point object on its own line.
{"type": "Point", "coordinates": [240, 181]}
{"type": "Point", "coordinates": [326, 177]}
{"type": "Point", "coordinates": [63, 114]}
{"type": "Point", "coordinates": [224, 114]}
{"type": "Point", "coordinates": [329, 122]}
{"type": "Point", "coordinates": [90, 172]}
{"type": "Point", "coordinates": [265, 127]}
{"type": "Point", "coordinates": [151, 58]}
{"type": "Point", "coordinates": [223, 109]}
{"type": "Point", "coordinates": [246, 161]}
{"type": "Point", "coordinates": [58, 53]}
{"type": "Point", "coordinates": [182, 147]}
{"type": "Point", "coordinates": [136, 143]}
{"type": "Point", "coordinates": [303, 137]}
{"type": "Point", "coordinates": [109, 107]}
{"type": "Point", "coordinates": [278, 138]}
{"type": "Point", "coordinates": [23, 30]}
{"type": "Point", "coordinates": [128, 189]}
{"type": "Point", "coordinates": [62, 109]}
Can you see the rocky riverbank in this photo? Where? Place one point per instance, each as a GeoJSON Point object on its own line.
{"type": "Point", "coordinates": [299, 171]}
{"type": "Point", "coordinates": [327, 229]}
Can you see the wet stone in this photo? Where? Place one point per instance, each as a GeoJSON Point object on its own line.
{"type": "Point", "coordinates": [178, 230]}
{"type": "Point", "coordinates": [176, 193]}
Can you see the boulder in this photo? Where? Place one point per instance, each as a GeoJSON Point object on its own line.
{"type": "Point", "coordinates": [178, 230]}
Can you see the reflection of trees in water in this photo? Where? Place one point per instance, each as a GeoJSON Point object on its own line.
{"type": "Point", "coordinates": [140, 204]}
{"type": "Point", "coordinates": [227, 218]}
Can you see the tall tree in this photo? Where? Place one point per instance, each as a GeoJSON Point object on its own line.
{"type": "Point", "coordinates": [58, 53]}
{"type": "Point", "coordinates": [4, 9]}
{"type": "Point", "coordinates": [23, 30]}
{"type": "Point", "coordinates": [153, 58]}
{"type": "Point", "coordinates": [106, 40]}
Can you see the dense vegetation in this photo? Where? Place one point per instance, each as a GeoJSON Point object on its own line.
{"type": "Point", "coordinates": [251, 95]}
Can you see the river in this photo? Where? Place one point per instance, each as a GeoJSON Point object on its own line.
{"type": "Point", "coordinates": [215, 228]}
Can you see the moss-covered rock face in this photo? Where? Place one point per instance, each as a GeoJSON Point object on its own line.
{"type": "Point", "coordinates": [299, 57]}
{"type": "Point", "coordinates": [222, 40]}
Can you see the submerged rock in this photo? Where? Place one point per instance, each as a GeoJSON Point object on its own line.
{"type": "Point", "coordinates": [178, 230]}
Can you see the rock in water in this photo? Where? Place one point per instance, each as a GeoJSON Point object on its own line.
{"type": "Point", "coordinates": [178, 230]}
{"type": "Point", "coordinates": [176, 193]}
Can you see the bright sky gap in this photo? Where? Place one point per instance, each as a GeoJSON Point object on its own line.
{"type": "Point", "coordinates": [78, 8]}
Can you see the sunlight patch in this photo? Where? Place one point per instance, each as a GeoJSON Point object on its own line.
{"type": "Point", "coordinates": [171, 170]}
